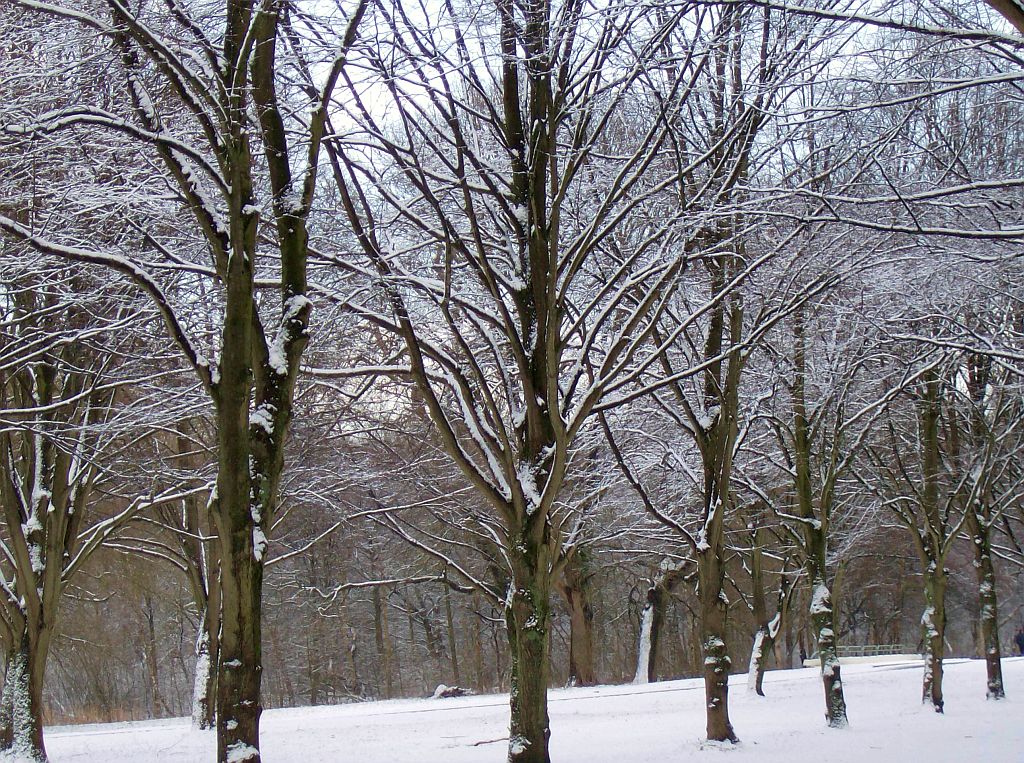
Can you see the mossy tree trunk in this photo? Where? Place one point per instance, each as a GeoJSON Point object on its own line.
{"type": "Point", "coordinates": [933, 540]}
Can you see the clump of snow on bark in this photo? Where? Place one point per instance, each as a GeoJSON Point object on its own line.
{"type": "Point", "coordinates": [240, 752]}
{"type": "Point", "coordinates": [263, 417]}
{"type": "Point", "coordinates": [821, 600]}
{"type": "Point", "coordinates": [259, 543]}
{"type": "Point", "coordinates": [517, 745]}
{"type": "Point", "coordinates": [276, 357]}
{"type": "Point", "coordinates": [528, 483]}
{"type": "Point", "coordinates": [706, 420]}
{"type": "Point", "coordinates": [928, 621]}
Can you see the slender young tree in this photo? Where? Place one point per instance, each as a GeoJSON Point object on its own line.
{"type": "Point", "coordinates": [769, 627]}
{"type": "Point", "coordinates": [926, 512]}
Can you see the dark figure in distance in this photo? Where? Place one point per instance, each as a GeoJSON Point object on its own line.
{"type": "Point", "coordinates": [1019, 638]}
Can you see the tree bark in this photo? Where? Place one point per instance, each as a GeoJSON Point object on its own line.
{"type": "Point", "coordinates": [933, 625]}
{"type": "Point", "coordinates": [979, 518]}
{"type": "Point", "coordinates": [650, 628]}
{"type": "Point", "coordinates": [382, 638]}
{"type": "Point", "coordinates": [453, 644]}
{"type": "Point", "coordinates": [21, 716]}
{"type": "Point", "coordinates": [822, 619]}
{"type": "Point", "coordinates": [651, 618]}
{"type": "Point", "coordinates": [815, 539]}
{"type": "Point", "coordinates": [158, 706]}
{"type": "Point", "coordinates": [527, 618]}
{"type": "Point", "coordinates": [717, 664]}
{"type": "Point", "coordinates": [238, 515]}
{"type": "Point", "coordinates": [932, 543]}
{"type": "Point", "coordinates": [204, 684]}
{"type": "Point", "coordinates": [575, 589]}
{"type": "Point", "coordinates": [989, 612]}
{"type": "Point", "coordinates": [767, 629]}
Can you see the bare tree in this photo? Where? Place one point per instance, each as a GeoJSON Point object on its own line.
{"type": "Point", "coordinates": [63, 421]}
{"type": "Point", "coordinates": [204, 111]}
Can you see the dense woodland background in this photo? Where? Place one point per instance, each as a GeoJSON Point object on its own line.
{"type": "Point", "coordinates": [698, 320]}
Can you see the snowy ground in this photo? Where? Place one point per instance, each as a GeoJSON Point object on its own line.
{"type": "Point", "coordinates": [657, 723]}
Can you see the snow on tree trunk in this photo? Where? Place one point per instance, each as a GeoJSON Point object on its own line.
{"type": "Point", "coordinates": [6, 708]}
{"type": "Point", "coordinates": [717, 664]}
{"type": "Point", "coordinates": [240, 670]}
{"type": "Point", "coordinates": [527, 616]}
{"type": "Point", "coordinates": [763, 642]}
{"type": "Point", "coordinates": [243, 480]}
{"type": "Point", "coordinates": [204, 684]}
{"type": "Point", "coordinates": [200, 684]}
{"type": "Point", "coordinates": [240, 665]}
{"type": "Point", "coordinates": [767, 630]}
{"type": "Point", "coordinates": [645, 648]}
{"type": "Point", "coordinates": [814, 524]}
{"type": "Point", "coordinates": [933, 625]}
{"type": "Point", "coordinates": [822, 621]}
{"type": "Point", "coordinates": [988, 618]}
{"type": "Point", "coordinates": [669, 574]}
{"type": "Point", "coordinates": [21, 723]}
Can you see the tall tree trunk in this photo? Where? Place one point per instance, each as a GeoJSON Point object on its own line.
{"type": "Point", "coordinates": [382, 638]}
{"type": "Point", "coordinates": [979, 518]}
{"type": "Point", "coordinates": [932, 542]}
{"type": "Point", "coordinates": [527, 619]}
{"type": "Point", "coordinates": [823, 622]}
{"type": "Point", "coordinates": [933, 625]}
{"type": "Point", "coordinates": [478, 645]}
{"type": "Point", "coordinates": [714, 608]}
{"type": "Point", "coordinates": [762, 636]}
{"type": "Point", "coordinates": [989, 611]}
{"type": "Point", "coordinates": [822, 618]}
{"type": "Point", "coordinates": [202, 575]}
{"type": "Point", "coordinates": [453, 644]}
{"type": "Point", "coordinates": [650, 627]}
{"type": "Point", "coordinates": [815, 538]}
{"type": "Point", "coordinates": [238, 514]}
{"type": "Point", "coordinates": [158, 706]}
{"type": "Point", "coordinates": [575, 589]}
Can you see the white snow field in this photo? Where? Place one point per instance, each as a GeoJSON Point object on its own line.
{"type": "Point", "coordinates": [658, 723]}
